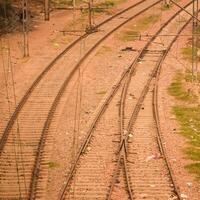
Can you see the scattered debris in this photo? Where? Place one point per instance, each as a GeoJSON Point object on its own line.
{"type": "Point", "coordinates": [130, 135]}
{"type": "Point", "coordinates": [143, 196]}
{"type": "Point", "coordinates": [173, 198]}
{"type": "Point", "coordinates": [173, 160]}
{"type": "Point", "coordinates": [128, 49]}
{"type": "Point", "coordinates": [151, 185]}
{"type": "Point", "coordinates": [89, 148]}
{"type": "Point", "coordinates": [189, 184]}
{"type": "Point", "coordinates": [153, 157]}
{"type": "Point", "coordinates": [184, 196]}
{"type": "Point", "coordinates": [132, 96]}
{"type": "Point", "coordinates": [55, 44]}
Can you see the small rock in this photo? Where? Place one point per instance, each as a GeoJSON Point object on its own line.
{"type": "Point", "coordinates": [89, 148]}
{"type": "Point", "coordinates": [56, 44]}
{"type": "Point", "coordinates": [173, 160]}
{"type": "Point", "coordinates": [189, 184]}
{"type": "Point", "coordinates": [150, 158]}
{"type": "Point", "coordinates": [184, 196]}
{"type": "Point", "coordinates": [152, 185]}
{"type": "Point", "coordinates": [130, 135]}
{"type": "Point", "coordinates": [66, 133]}
{"type": "Point", "coordinates": [143, 196]}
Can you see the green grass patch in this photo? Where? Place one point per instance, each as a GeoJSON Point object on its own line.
{"type": "Point", "coordinates": [197, 31]}
{"type": "Point", "coordinates": [189, 120]}
{"type": "Point", "coordinates": [194, 169]}
{"type": "Point", "coordinates": [134, 32]}
{"type": "Point", "coordinates": [166, 7]}
{"type": "Point", "coordinates": [193, 153]}
{"type": "Point", "coordinates": [187, 53]}
{"type": "Point", "coordinates": [103, 50]}
{"type": "Point", "coordinates": [177, 89]}
{"type": "Point", "coordinates": [52, 165]}
{"type": "Point", "coordinates": [101, 92]}
{"type": "Point", "coordinates": [188, 77]}
{"type": "Point", "coordinates": [104, 6]}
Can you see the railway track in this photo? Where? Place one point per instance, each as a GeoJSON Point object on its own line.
{"type": "Point", "coordinates": [22, 142]}
{"type": "Point", "coordinates": [129, 162]}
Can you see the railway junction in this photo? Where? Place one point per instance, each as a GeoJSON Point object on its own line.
{"type": "Point", "coordinates": [100, 100]}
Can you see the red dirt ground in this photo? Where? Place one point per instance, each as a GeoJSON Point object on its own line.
{"type": "Point", "coordinates": [46, 41]}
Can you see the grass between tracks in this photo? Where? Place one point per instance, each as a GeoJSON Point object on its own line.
{"type": "Point", "coordinates": [189, 119]}
{"type": "Point", "coordinates": [52, 165]}
{"type": "Point", "coordinates": [133, 32]}
{"type": "Point", "coordinates": [187, 112]}
{"type": "Point", "coordinates": [178, 89]}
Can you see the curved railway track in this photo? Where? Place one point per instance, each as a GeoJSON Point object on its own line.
{"type": "Point", "coordinates": [140, 155]}
{"type": "Point", "coordinates": [25, 143]}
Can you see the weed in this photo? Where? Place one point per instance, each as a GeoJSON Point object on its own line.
{"type": "Point", "coordinates": [101, 92]}
{"type": "Point", "coordinates": [189, 119]}
{"type": "Point", "coordinates": [52, 165]}
{"type": "Point", "coordinates": [187, 53]}
{"type": "Point", "coordinates": [177, 89]}
{"type": "Point", "coordinates": [131, 35]}
{"type": "Point", "coordinates": [166, 7]}
{"type": "Point", "coordinates": [194, 168]}
{"type": "Point", "coordinates": [103, 50]}
{"type": "Point", "coordinates": [133, 32]}
{"type": "Point", "coordinates": [104, 6]}
{"type": "Point", "coordinates": [188, 76]}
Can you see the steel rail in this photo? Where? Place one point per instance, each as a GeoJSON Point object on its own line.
{"type": "Point", "coordinates": [143, 50]}
{"type": "Point", "coordinates": [104, 106]}
{"type": "Point", "coordinates": [156, 73]}
{"type": "Point", "coordinates": [182, 8]}
{"type": "Point", "coordinates": [44, 72]}
{"type": "Point", "coordinates": [122, 149]}
{"type": "Point", "coordinates": [59, 95]}
{"type": "Point", "coordinates": [157, 119]}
